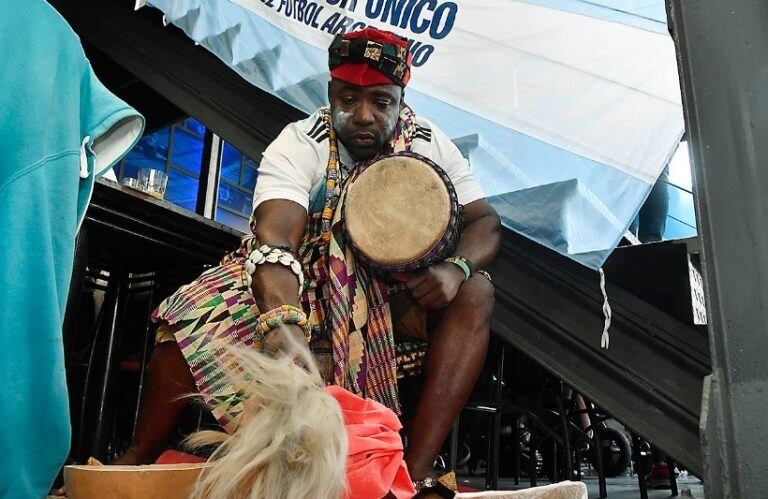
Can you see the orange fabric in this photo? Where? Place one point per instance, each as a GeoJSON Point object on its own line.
{"type": "Point", "coordinates": [176, 457]}
{"type": "Point", "coordinates": [375, 465]}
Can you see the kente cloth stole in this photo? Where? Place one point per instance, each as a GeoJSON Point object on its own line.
{"type": "Point", "coordinates": [348, 303]}
{"type": "Point", "coordinates": [358, 316]}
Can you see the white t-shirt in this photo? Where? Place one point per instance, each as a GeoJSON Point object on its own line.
{"type": "Point", "coordinates": [293, 166]}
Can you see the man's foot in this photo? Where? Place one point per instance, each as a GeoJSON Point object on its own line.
{"type": "Point", "coordinates": [659, 476]}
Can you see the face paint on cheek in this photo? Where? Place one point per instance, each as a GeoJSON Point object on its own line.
{"type": "Point", "coordinates": [390, 122]}
{"type": "Point", "coordinates": [340, 119]}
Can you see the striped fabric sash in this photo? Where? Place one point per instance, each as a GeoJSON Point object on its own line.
{"type": "Point", "coordinates": [347, 303]}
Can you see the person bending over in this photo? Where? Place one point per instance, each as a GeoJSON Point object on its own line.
{"type": "Point", "coordinates": [349, 324]}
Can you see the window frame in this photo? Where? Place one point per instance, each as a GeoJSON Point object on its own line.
{"type": "Point", "coordinates": [209, 179]}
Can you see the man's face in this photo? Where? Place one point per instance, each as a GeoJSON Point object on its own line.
{"type": "Point", "coordinates": [364, 117]}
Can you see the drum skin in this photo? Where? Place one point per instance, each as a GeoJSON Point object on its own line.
{"type": "Point", "coordinates": [398, 210]}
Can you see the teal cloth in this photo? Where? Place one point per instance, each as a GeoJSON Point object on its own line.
{"type": "Point", "coordinates": [50, 101]}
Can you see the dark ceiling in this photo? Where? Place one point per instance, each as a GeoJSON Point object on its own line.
{"type": "Point", "coordinates": [157, 110]}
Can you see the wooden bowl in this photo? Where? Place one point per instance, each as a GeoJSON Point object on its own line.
{"type": "Point", "coordinates": [154, 481]}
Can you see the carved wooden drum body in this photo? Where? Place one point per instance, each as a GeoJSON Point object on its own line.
{"type": "Point", "coordinates": [401, 213]}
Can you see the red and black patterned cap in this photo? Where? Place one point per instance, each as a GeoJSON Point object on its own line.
{"type": "Point", "coordinates": [370, 57]}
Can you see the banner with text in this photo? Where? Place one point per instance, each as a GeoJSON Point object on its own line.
{"type": "Point", "coordinates": [567, 119]}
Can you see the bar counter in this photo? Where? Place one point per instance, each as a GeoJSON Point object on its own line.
{"type": "Point", "coordinates": [151, 232]}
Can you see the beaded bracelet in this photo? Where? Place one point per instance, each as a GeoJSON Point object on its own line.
{"type": "Point", "coordinates": [268, 254]}
{"type": "Point", "coordinates": [465, 264]}
{"type": "Point", "coordinates": [284, 314]}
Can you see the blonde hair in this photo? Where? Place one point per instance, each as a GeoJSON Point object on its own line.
{"type": "Point", "coordinates": [291, 441]}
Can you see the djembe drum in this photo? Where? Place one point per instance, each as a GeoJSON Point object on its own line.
{"type": "Point", "coordinates": [401, 213]}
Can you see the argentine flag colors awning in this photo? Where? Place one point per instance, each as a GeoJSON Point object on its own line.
{"type": "Point", "coordinates": [567, 110]}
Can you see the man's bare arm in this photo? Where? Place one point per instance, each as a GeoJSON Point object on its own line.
{"type": "Point", "coordinates": [481, 237]}
{"type": "Point", "coordinates": [480, 240]}
{"type": "Point", "coordinates": [279, 222]}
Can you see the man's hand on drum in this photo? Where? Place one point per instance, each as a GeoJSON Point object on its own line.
{"type": "Point", "coordinates": [434, 287]}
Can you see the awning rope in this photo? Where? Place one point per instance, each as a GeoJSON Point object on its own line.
{"type": "Point", "coordinates": [605, 339]}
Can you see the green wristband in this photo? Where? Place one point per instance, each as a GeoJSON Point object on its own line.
{"type": "Point", "coordinates": [464, 264]}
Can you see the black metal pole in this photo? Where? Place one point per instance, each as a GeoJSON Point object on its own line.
{"type": "Point", "coordinates": [495, 436]}
{"type": "Point", "coordinates": [639, 465]}
{"type": "Point", "coordinates": [598, 450]}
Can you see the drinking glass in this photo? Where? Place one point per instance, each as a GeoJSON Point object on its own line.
{"type": "Point", "coordinates": [153, 182]}
{"type": "Point", "coordinates": [131, 182]}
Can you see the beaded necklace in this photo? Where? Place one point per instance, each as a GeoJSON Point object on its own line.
{"type": "Point", "coordinates": [332, 190]}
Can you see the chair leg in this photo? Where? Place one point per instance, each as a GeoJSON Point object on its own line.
{"type": "Point", "coordinates": [639, 466]}
{"type": "Point", "coordinates": [488, 453]}
{"type": "Point", "coordinates": [567, 472]}
{"type": "Point", "coordinates": [556, 475]}
{"type": "Point", "coordinates": [493, 457]}
{"type": "Point", "coordinates": [672, 477]}
{"type": "Point", "coordinates": [147, 347]}
{"type": "Point", "coordinates": [104, 406]}
{"type": "Point", "coordinates": [516, 464]}
{"type": "Point", "coordinates": [597, 449]}
{"type": "Point", "coordinates": [82, 437]}
{"type": "Point", "coordinates": [453, 449]}
{"type": "Point", "coordinates": [579, 476]}
{"type": "Point", "coordinates": [493, 464]}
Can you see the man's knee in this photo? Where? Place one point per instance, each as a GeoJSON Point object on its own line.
{"type": "Point", "coordinates": [475, 297]}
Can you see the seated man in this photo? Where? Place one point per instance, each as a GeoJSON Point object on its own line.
{"type": "Point", "coordinates": [352, 323]}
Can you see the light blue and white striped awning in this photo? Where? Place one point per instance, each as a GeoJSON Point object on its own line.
{"type": "Point", "coordinates": [646, 14]}
{"type": "Point", "coordinates": [568, 110]}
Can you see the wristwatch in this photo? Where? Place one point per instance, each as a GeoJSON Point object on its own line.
{"type": "Point", "coordinates": [464, 263]}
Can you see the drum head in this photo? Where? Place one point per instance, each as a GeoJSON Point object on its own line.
{"type": "Point", "coordinates": [397, 210]}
